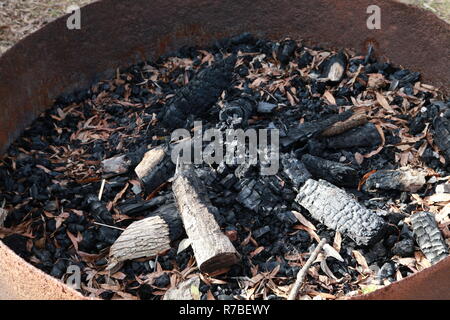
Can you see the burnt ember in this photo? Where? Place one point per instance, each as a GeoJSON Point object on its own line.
{"type": "Point", "coordinates": [363, 164]}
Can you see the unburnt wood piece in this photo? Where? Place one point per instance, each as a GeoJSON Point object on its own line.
{"type": "Point", "coordinates": [355, 120]}
{"type": "Point", "coordinates": [364, 136]}
{"type": "Point", "coordinates": [334, 67]}
{"type": "Point", "coordinates": [337, 173]}
{"type": "Point", "coordinates": [341, 212]}
{"type": "Point", "coordinates": [295, 170]}
{"type": "Point", "coordinates": [155, 168]}
{"type": "Point", "coordinates": [98, 210]}
{"type": "Point", "coordinates": [199, 94]}
{"type": "Point", "coordinates": [186, 290]}
{"type": "Point", "coordinates": [308, 130]}
{"type": "Point", "coordinates": [212, 249]}
{"type": "Point", "coordinates": [404, 179]}
{"type": "Point", "coordinates": [441, 127]}
{"type": "Point", "coordinates": [147, 237]}
{"type": "Point", "coordinates": [428, 236]}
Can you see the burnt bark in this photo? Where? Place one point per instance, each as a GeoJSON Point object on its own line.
{"type": "Point", "coordinates": [441, 127]}
{"type": "Point", "coordinates": [308, 130]}
{"type": "Point", "coordinates": [147, 237]}
{"type": "Point", "coordinates": [199, 94]}
{"type": "Point", "coordinates": [341, 212]}
{"type": "Point", "coordinates": [364, 136]}
{"type": "Point", "coordinates": [155, 168]}
{"type": "Point", "coordinates": [212, 249]}
{"type": "Point", "coordinates": [337, 173]}
{"type": "Point", "coordinates": [428, 236]}
{"type": "Point", "coordinates": [410, 180]}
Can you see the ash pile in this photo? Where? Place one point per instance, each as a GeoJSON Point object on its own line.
{"type": "Point", "coordinates": [352, 150]}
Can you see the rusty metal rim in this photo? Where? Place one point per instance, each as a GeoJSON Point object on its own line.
{"type": "Point", "coordinates": [121, 32]}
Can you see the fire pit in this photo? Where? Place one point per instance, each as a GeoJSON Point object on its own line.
{"type": "Point", "coordinates": [356, 157]}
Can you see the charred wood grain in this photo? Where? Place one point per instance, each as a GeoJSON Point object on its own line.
{"type": "Point", "coordinates": [199, 94]}
{"type": "Point", "coordinates": [428, 236]}
{"type": "Point", "coordinates": [364, 136]}
{"type": "Point", "coordinates": [341, 212]}
{"type": "Point", "coordinates": [308, 130]}
{"type": "Point", "coordinates": [410, 180]}
{"type": "Point", "coordinates": [212, 249]}
{"type": "Point", "coordinates": [337, 173]}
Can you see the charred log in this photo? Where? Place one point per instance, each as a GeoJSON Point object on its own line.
{"type": "Point", "coordinates": [155, 168]}
{"type": "Point", "coordinates": [341, 212]}
{"type": "Point", "coordinates": [308, 130]}
{"type": "Point", "coordinates": [147, 237]}
{"type": "Point", "coordinates": [98, 210]}
{"type": "Point", "coordinates": [428, 236]}
{"type": "Point", "coordinates": [212, 249]}
{"type": "Point", "coordinates": [365, 136]}
{"type": "Point", "coordinates": [295, 170]}
{"type": "Point", "coordinates": [403, 180]}
{"type": "Point", "coordinates": [334, 172]}
{"type": "Point", "coordinates": [334, 67]}
{"type": "Point", "coordinates": [199, 94]}
{"type": "Point", "coordinates": [137, 208]}
{"type": "Point", "coordinates": [441, 127]}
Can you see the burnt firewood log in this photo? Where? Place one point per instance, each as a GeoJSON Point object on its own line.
{"type": "Point", "coordinates": [294, 170]}
{"type": "Point", "coordinates": [121, 164]}
{"type": "Point", "coordinates": [333, 69]}
{"type": "Point", "coordinates": [98, 210]}
{"type": "Point", "coordinates": [147, 237]}
{"type": "Point", "coordinates": [364, 136]}
{"type": "Point", "coordinates": [334, 172]}
{"type": "Point", "coordinates": [441, 127]}
{"type": "Point", "coordinates": [199, 94]}
{"type": "Point", "coordinates": [155, 168]}
{"type": "Point", "coordinates": [308, 130]}
{"type": "Point", "coordinates": [410, 180]}
{"type": "Point", "coordinates": [339, 211]}
{"type": "Point", "coordinates": [137, 208]}
{"type": "Point", "coordinates": [212, 249]}
{"type": "Point", "coordinates": [428, 236]}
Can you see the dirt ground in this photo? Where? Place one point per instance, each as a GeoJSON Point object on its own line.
{"type": "Point", "coordinates": [19, 18]}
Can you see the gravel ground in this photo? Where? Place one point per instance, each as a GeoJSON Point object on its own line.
{"type": "Point", "coordinates": [19, 18]}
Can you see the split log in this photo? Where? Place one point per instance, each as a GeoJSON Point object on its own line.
{"type": "Point", "coordinates": [441, 127]}
{"type": "Point", "coordinates": [357, 119]}
{"type": "Point", "coordinates": [337, 173]}
{"type": "Point", "coordinates": [295, 170]}
{"type": "Point", "coordinates": [428, 236]}
{"type": "Point", "coordinates": [364, 136]}
{"type": "Point", "coordinates": [98, 210]}
{"type": "Point", "coordinates": [155, 168]}
{"type": "Point", "coordinates": [341, 212]}
{"type": "Point", "coordinates": [186, 290]}
{"type": "Point", "coordinates": [404, 179]}
{"type": "Point", "coordinates": [212, 249]}
{"type": "Point", "coordinates": [147, 237]}
{"type": "Point", "coordinates": [199, 94]}
{"type": "Point", "coordinates": [308, 130]}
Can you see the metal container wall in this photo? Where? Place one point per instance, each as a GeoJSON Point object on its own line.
{"type": "Point", "coordinates": [115, 33]}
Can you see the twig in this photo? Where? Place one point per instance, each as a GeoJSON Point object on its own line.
{"type": "Point", "coordinates": [108, 226]}
{"type": "Point", "coordinates": [100, 193]}
{"type": "Point", "coordinates": [302, 273]}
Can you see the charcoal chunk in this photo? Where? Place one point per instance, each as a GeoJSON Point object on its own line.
{"type": "Point", "coordinates": [364, 136]}
{"type": "Point", "coordinates": [334, 67]}
{"type": "Point", "coordinates": [295, 170]}
{"type": "Point", "coordinates": [403, 248]}
{"type": "Point", "coordinates": [98, 210]}
{"type": "Point", "coordinates": [403, 180]}
{"type": "Point", "coordinates": [441, 127]}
